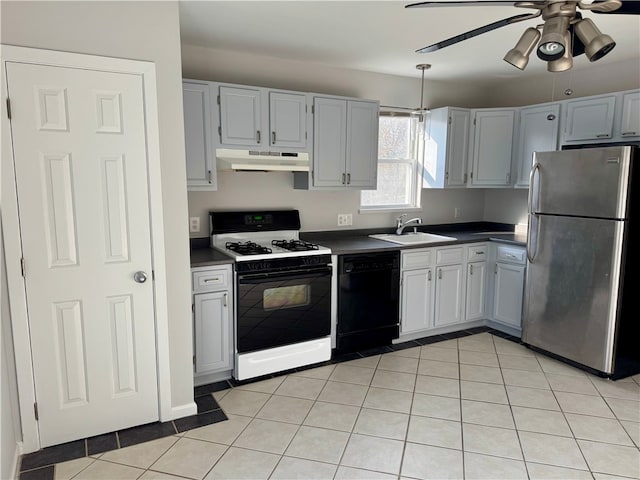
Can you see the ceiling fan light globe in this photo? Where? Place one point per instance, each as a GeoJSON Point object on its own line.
{"type": "Point", "coordinates": [518, 56]}
{"type": "Point", "coordinates": [552, 42]}
{"type": "Point", "coordinates": [596, 43]}
{"type": "Point", "coordinates": [550, 51]}
{"type": "Point", "coordinates": [565, 62]}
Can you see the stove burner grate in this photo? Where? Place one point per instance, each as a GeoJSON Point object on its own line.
{"type": "Point", "coordinates": [247, 248]}
{"type": "Point", "coordinates": [295, 245]}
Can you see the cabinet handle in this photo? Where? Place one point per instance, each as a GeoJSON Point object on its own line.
{"type": "Point", "coordinates": [439, 274]}
{"type": "Point", "coordinates": [629, 133]}
{"type": "Point", "coordinates": [465, 178]}
{"type": "Point", "coordinates": [209, 176]}
{"type": "Point", "coordinates": [226, 295]}
{"type": "Point", "coordinates": [602, 135]}
{"type": "Point", "coordinates": [495, 268]}
{"type": "Point", "coordinates": [273, 137]}
{"type": "Point", "coordinates": [258, 136]}
{"type": "Point", "coordinates": [479, 253]}
{"type": "Point", "coordinates": [429, 276]}
{"type": "Point", "coordinates": [344, 176]}
{"type": "Point", "coordinates": [470, 269]}
{"type": "Point", "coordinates": [508, 176]}
{"type": "Point", "coordinates": [348, 178]}
{"type": "Point", "coordinates": [215, 279]}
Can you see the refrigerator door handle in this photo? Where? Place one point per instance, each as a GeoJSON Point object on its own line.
{"type": "Point", "coordinates": [532, 237]}
{"type": "Point", "coordinates": [532, 186]}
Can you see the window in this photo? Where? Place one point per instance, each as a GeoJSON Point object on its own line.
{"type": "Point", "coordinates": [400, 139]}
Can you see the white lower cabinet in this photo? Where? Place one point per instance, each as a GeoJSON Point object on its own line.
{"type": "Point", "coordinates": [417, 291]}
{"type": "Point", "coordinates": [442, 288]}
{"type": "Point", "coordinates": [476, 293]}
{"type": "Point", "coordinates": [212, 317]}
{"type": "Point", "coordinates": [508, 285]}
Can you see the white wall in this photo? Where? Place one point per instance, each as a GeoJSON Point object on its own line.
{"type": "Point", "coordinates": [319, 209]}
{"type": "Point", "coordinates": [137, 30]}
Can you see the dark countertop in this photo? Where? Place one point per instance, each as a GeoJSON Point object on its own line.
{"type": "Point", "coordinates": [357, 241]}
{"type": "Point", "coordinates": [204, 256]}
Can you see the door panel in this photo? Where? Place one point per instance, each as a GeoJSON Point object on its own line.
{"type": "Point", "coordinates": [81, 175]}
{"type": "Point", "coordinates": [569, 305]}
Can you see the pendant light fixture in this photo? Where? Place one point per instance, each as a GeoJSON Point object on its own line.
{"type": "Point", "coordinates": [422, 110]}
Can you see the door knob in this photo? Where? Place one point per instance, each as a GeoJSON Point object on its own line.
{"type": "Point", "coordinates": [140, 276]}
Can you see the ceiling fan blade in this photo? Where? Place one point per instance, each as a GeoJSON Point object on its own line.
{"type": "Point", "coordinates": [475, 32]}
{"type": "Point", "coordinates": [627, 8]}
{"type": "Point", "coordinates": [469, 3]}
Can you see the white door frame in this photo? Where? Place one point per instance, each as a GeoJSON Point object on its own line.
{"type": "Point", "coordinates": [11, 228]}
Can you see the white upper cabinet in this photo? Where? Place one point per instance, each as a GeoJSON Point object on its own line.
{"type": "Point", "coordinates": [538, 132]}
{"type": "Point", "coordinates": [261, 119]}
{"type": "Point", "coordinates": [630, 118]}
{"type": "Point", "coordinates": [345, 143]}
{"type": "Point", "coordinates": [492, 147]}
{"type": "Point", "coordinates": [287, 119]}
{"type": "Point", "coordinates": [446, 148]}
{"type": "Point", "coordinates": [589, 118]}
{"type": "Point", "coordinates": [241, 116]}
{"type": "Point", "coordinates": [201, 162]}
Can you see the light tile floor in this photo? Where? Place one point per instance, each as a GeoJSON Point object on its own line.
{"type": "Point", "coordinates": [476, 407]}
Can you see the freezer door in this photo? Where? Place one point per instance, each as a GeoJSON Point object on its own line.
{"type": "Point", "coordinates": [572, 284]}
{"type": "Point", "coordinates": [589, 182]}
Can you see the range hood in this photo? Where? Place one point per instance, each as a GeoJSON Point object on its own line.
{"type": "Point", "coordinates": [237, 159]}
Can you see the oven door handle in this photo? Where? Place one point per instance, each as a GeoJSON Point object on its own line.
{"type": "Point", "coordinates": [288, 275]}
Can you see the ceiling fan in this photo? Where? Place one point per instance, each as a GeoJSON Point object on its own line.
{"type": "Point", "coordinates": [564, 34]}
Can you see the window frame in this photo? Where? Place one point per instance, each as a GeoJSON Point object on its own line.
{"type": "Point", "coordinates": [417, 162]}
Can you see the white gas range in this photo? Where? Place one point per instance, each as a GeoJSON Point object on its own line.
{"type": "Point", "coordinates": [282, 290]}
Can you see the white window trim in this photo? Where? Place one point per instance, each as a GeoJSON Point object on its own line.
{"type": "Point", "coordinates": [417, 191]}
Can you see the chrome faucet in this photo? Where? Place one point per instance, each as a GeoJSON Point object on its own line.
{"type": "Point", "coordinates": [401, 224]}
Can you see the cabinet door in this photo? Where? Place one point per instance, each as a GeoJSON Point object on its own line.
{"type": "Point", "coordinates": [476, 291]}
{"type": "Point", "coordinates": [538, 132]}
{"type": "Point", "coordinates": [417, 301]}
{"type": "Point", "coordinates": [362, 144]}
{"type": "Point", "coordinates": [240, 117]}
{"type": "Point", "coordinates": [449, 295]}
{"type": "Point", "coordinates": [630, 125]}
{"type": "Point", "coordinates": [329, 142]}
{"type": "Point", "coordinates": [212, 332]}
{"type": "Point", "coordinates": [508, 293]}
{"type": "Point", "coordinates": [201, 172]}
{"type": "Point", "coordinates": [457, 148]}
{"type": "Point", "coordinates": [589, 119]}
{"type": "Point", "coordinates": [288, 120]}
{"type": "Point", "coordinates": [492, 148]}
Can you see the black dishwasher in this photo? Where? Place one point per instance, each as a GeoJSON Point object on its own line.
{"type": "Point", "coordinates": [368, 300]}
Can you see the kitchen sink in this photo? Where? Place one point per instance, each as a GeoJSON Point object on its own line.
{"type": "Point", "coordinates": [412, 238]}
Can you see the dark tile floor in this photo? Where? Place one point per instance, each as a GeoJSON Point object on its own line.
{"type": "Point", "coordinates": [40, 465]}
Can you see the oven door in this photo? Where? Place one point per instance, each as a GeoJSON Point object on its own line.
{"type": "Point", "coordinates": [282, 308]}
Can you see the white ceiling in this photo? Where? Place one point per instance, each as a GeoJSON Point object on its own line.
{"type": "Point", "coordinates": [382, 36]}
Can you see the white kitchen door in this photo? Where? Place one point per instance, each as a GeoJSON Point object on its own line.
{"type": "Point", "coordinates": [80, 159]}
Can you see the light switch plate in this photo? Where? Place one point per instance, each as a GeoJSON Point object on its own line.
{"type": "Point", "coordinates": [345, 219]}
{"type": "Point", "coordinates": [194, 224]}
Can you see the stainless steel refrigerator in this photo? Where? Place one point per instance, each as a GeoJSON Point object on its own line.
{"type": "Point", "coordinates": [581, 250]}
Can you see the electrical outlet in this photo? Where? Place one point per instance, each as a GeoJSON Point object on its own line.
{"type": "Point", "coordinates": [345, 219]}
{"type": "Point", "coordinates": [456, 213]}
{"type": "Point", "coordinates": [194, 224]}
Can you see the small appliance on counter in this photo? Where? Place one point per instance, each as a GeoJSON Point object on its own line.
{"type": "Point", "coordinates": [283, 291]}
{"type": "Point", "coordinates": [583, 244]}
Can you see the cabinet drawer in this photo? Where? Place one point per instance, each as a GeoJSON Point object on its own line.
{"type": "Point", "coordinates": [477, 253]}
{"type": "Point", "coordinates": [511, 255]}
{"type": "Point", "coordinates": [445, 256]}
{"type": "Point", "coordinates": [416, 259]}
{"type": "Point", "coordinates": [211, 280]}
